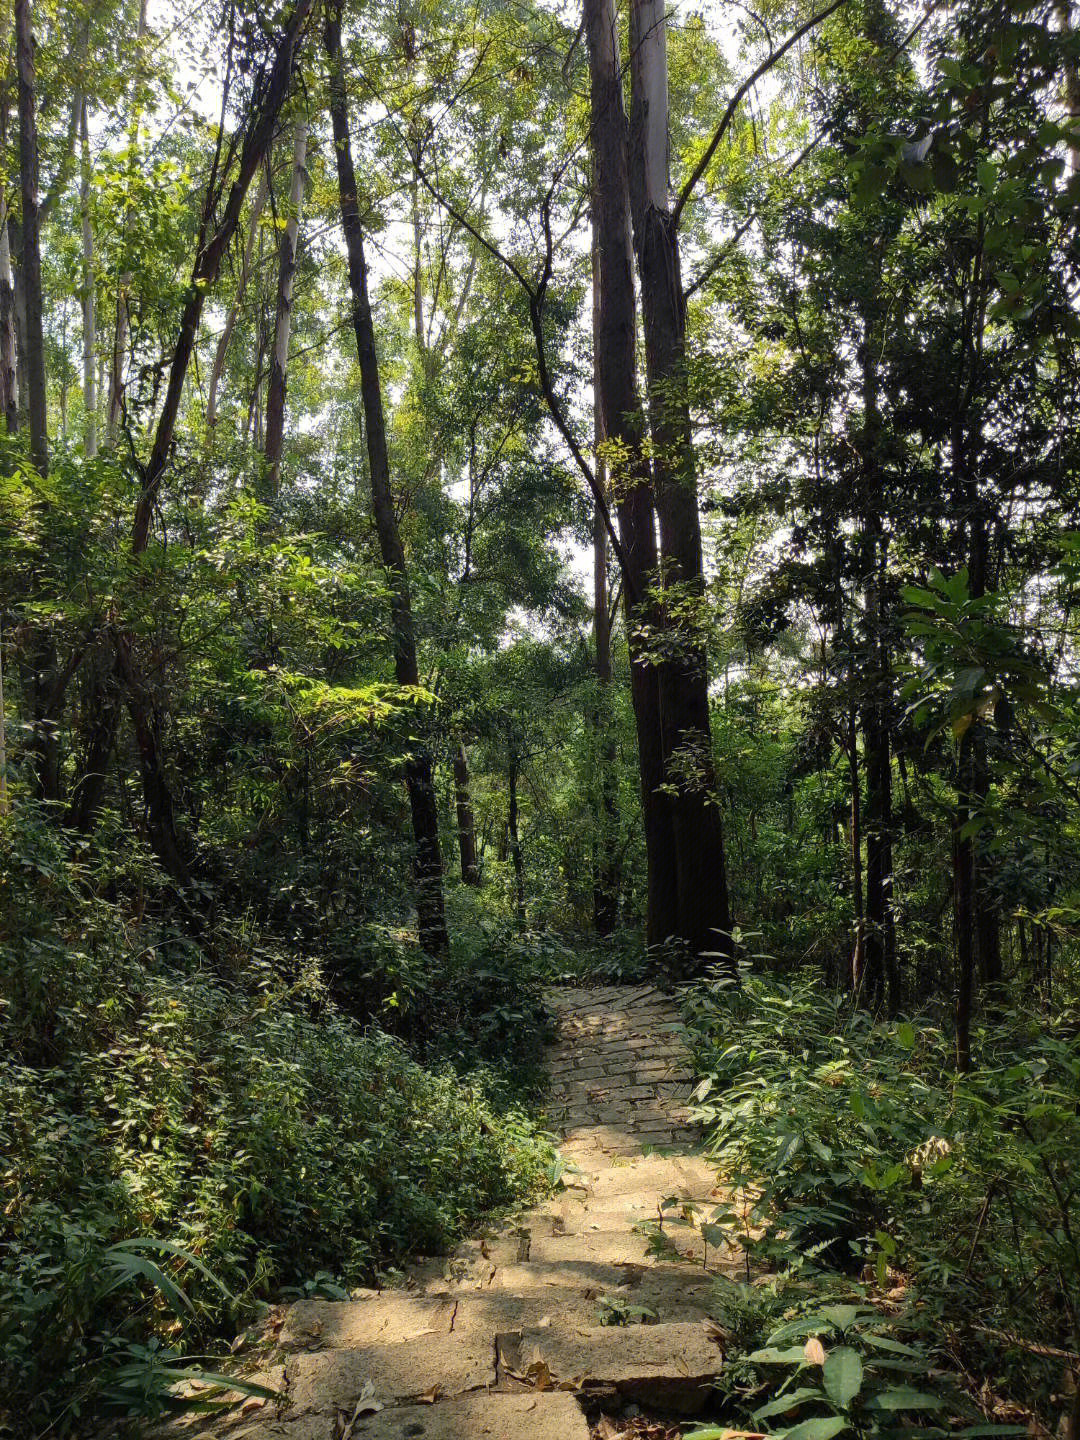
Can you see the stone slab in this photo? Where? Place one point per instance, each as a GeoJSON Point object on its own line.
{"type": "Point", "coordinates": [444, 1364]}
{"type": "Point", "coordinates": [375, 1319]}
{"type": "Point", "coordinates": [666, 1366]}
{"type": "Point", "coordinates": [550, 1415]}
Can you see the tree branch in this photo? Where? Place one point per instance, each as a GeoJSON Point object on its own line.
{"type": "Point", "coordinates": [733, 104]}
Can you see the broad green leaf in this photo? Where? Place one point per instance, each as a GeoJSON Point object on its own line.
{"type": "Point", "coordinates": [842, 1376]}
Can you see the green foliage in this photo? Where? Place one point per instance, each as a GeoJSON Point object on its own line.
{"type": "Point", "coordinates": [852, 1147]}
{"type": "Point", "coordinates": [196, 1140]}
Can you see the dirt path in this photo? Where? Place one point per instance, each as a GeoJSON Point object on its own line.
{"type": "Point", "coordinates": [504, 1340]}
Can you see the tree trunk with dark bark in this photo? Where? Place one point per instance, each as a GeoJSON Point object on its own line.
{"type": "Point", "coordinates": [623, 421]}
{"type": "Point", "coordinates": [279, 360]}
{"type": "Point", "coordinates": [45, 698]}
{"type": "Point", "coordinates": [428, 868]}
{"type": "Point", "coordinates": [466, 820]}
{"type": "Point", "coordinates": [704, 920]}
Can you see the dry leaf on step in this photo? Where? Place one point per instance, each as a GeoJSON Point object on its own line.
{"type": "Point", "coordinates": [429, 1396]}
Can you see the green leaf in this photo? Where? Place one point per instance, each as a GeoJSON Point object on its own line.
{"type": "Point", "coordinates": [788, 1401]}
{"type": "Point", "coordinates": [823, 1428]}
{"type": "Point", "coordinates": [842, 1376]}
{"type": "Point", "coordinates": [903, 1397]}
{"type": "Point", "coordinates": [773, 1356]}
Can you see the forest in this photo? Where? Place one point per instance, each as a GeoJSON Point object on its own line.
{"type": "Point", "coordinates": [506, 493]}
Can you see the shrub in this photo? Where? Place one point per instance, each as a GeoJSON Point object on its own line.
{"type": "Point", "coordinates": [247, 1123]}
{"type": "Point", "coordinates": [857, 1149]}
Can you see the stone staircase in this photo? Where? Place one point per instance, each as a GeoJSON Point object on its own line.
{"type": "Point", "coordinates": [504, 1340]}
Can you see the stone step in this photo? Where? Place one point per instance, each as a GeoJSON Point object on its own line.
{"type": "Point", "coordinates": [670, 1367]}
{"type": "Point", "coordinates": [552, 1415]}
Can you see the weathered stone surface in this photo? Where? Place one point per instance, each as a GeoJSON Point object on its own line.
{"type": "Point", "coordinates": [377, 1319]}
{"type": "Point", "coordinates": [670, 1366]}
{"type": "Point", "coordinates": [436, 1364]}
{"type": "Point", "coordinates": [535, 1289]}
{"type": "Point", "coordinates": [548, 1416]}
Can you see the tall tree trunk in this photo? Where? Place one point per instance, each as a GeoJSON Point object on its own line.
{"type": "Point", "coordinates": [428, 867]}
{"type": "Point", "coordinates": [221, 349]}
{"type": "Point", "coordinates": [615, 342]}
{"type": "Point", "coordinates": [9, 380]}
{"type": "Point", "coordinates": [882, 978]}
{"type": "Point", "coordinates": [101, 710]}
{"type": "Point", "coordinates": [858, 954]}
{"type": "Point", "coordinates": [114, 408]}
{"type": "Point", "coordinates": [45, 741]}
{"type": "Point", "coordinates": [279, 361]}
{"type": "Point", "coordinates": [213, 243]}
{"type": "Point", "coordinates": [89, 317]}
{"type": "Point", "coordinates": [466, 820]}
{"type": "Point", "coordinates": [704, 920]}
{"type": "Point", "coordinates": [34, 354]}
{"type": "Point", "coordinates": [964, 907]}
{"type": "Point", "coordinates": [514, 837]}
{"type": "Point", "coordinates": [605, 857]}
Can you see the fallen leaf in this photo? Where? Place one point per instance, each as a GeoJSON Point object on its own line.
{"type": "Point", "coordinates": [814, 1351]}
{"type": "Point", "coordinates": [429, 1396]}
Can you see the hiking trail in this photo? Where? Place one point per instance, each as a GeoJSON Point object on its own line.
{"type": "Point", "coordinates": [503, 1340]}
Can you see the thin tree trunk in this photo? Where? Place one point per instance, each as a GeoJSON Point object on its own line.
{"type": "Point", "coordinates": [881, 976]}
{"type": "Point", "coordinates": [964, 902]}
{"type": "Point", "coordinates": [704, 919]}
{"type": "Point", "coordinates": [858, 956]}
{"type": "Point", "coordinates": [89, 317]}
{"type": "Point", "coordinates": [221, 349]}
{"type": "Point", "coordinates": [34, 354]}
{"type": "Point", "coordinates": [102, 717]}
{"type": "Point", "coordinates": [257, 137]}
{"type": "Point", "coordinates": [3, 733]}
{"type": "Point", "coordinates": [466, 820]}
{"type": "Point", "coordinates": [279, 361]}
{"type": "Point", "coordinates": [115, 407]}
{"type": "Point", "coordinates": [45, 740]}
{"type": "Point", "coordinates": [9, 380]}
{"type": "Point", "coordinates": [615, 343]}
{"type": "Point", "coordinates": [515, 839]}
{"type": "Point", "coordinates": [605, 857]}
{"type": "Point", "coordinates": [431, 913]}
{"type": "Point", "coordinates": [145, 717]}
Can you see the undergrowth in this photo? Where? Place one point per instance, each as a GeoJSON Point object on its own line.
{"type": "Point", "coordinates": [865, 1173]}
{"type": "Point", "coordinates": [188, 1130]}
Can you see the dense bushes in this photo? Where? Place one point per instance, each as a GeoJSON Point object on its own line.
{"type": "Point", "coordinates": [861, 1157]}
{"type": "Point", "coordinates": [230, 1110]}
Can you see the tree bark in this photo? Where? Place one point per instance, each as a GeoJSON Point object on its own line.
{"type": "Point", "coordinates": [102, 717]}
{"type": "Point", "coordinates": [605, 857]}
{"type": "Point", "coordinates": [45, 739]}
{"type": "Point", "coordinates": [630, 481]}
{"type": "Point", "coordinates": [466, 820]}
{"type": "Point", "coordinates": [34, 354]}
{"type": "Point", "coordinates": [881, 978]}
{"type": "Point", "coordinates": [221, 349]}
{"type": "Point", "coordinates": [89, 316]}
{"type": "Point", "coordinates": [514, 838]}
{"type": "Point", "coordinates": [428, 868]}
{"type": "Point", "coordinates": [9, 380]}
{"type": "Point", "coordinates": [279, 361]}
{"type": "Point", "coordinates": [704, 920]}
{"type": "Point", "coordinates": [115, 406]}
